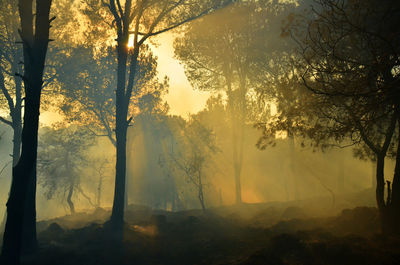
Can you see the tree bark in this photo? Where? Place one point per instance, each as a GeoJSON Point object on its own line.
{"type": "Point", "coordinates": [29, 238]}
{"type": "Point", "coordinates": [35, 42]}
{"type": "Point", "coordinates": [117, 215]}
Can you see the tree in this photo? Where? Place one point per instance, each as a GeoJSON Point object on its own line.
{"type": "Point", "coordinates": [193, 154]}
{"type": "Point", "coordinates": [140, 20]}
{"type": "Point", "coordinates": [10, 56]}
{"type": "Point", "coordinates": [347, 65]}
{"type": "Point", "coordinates": [35, 39]}
{"type": "Point", "coordinates": [88, 86]}
{"type": "Point", "coordinates": [61, 161]}
{"type": "Point", "coordinates": [10, 82]}
{"type": "Point", "coordinates": [220, 57]}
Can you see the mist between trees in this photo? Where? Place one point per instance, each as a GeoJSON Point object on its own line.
{"type": "Point", "coordinates": [303, 106]}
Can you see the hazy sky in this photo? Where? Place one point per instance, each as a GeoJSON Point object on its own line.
{"type": "Point", "coordinates": [182, 98]}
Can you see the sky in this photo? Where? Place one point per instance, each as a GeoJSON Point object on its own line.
{"type": "Point", "coordinates": [182, 97]}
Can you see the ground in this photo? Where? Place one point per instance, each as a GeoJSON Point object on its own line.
{"type": "Point", "coordinates": [244, 234]}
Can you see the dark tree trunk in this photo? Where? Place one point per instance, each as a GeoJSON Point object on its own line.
{"type": "Point", "coordinates": [236, 145]}
{"type": "Point", "coordinates": [99, 189]}
{"type": "Point", "coordinates": [29, 239]}
{"type": "Point", "coordinates": [390, 215]}
{"type": "Point", "coordinates": [17, 116]}
{"type": "Point", "coordinates": [123, 95]}
{"type": "Point", "coordinates": [34, 49]}
{"type": "Point", "coordinates": [117, 215]}
{"type": "Point", "coordinates": [380, 181]}
{"type": "Point", "coordinates": [396, 178]}
{"type": "Point", "coordinates": [20, 186]}
{"type": "Point", "coordinates": [292, 166]}
{"type": "Point", "coordinates": [69, 199]}
{"type": "Point", "coordinates": [201, 193]}
{"type": "Point", "coordinates": [373, 175]}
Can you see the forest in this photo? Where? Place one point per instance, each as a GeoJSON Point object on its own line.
{"type": "Point", "coordinates": [163, 132]}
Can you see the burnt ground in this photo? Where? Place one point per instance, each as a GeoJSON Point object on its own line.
{"type": "Point", "coordinates": [245, 234]}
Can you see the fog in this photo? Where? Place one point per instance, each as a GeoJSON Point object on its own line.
{"type": "Point", "coordinates": [199, 132]}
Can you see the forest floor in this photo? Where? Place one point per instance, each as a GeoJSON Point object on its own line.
{"type": "Point", "coordinates": [242, 234]}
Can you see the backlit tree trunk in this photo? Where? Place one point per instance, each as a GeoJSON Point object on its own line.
{"type": "Point", "coordinates": [35, 40]}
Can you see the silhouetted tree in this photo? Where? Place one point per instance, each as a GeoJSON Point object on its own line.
{"type": "Point", "coordinates": [10, 57]}
{"type": "Point", "coordinates": [193, 154]}
{"type": "Point", "coordinates": [62, 157]}
{"type": "Point", "coordinates": [34, 34]}
{"type": "Point", "coordinates": [140, 20]}
{"type": "Point", "coordinates": [221, 57]}
{"type": "Point", "coordinates": [347, 65]}
{"type": "Point", "coordinates": [88, 83]}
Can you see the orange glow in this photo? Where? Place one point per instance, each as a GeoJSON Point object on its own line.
{"type": "Point", "coordinates": [130, 42]}
{"type": "Point", "coordinates": [250, 196]}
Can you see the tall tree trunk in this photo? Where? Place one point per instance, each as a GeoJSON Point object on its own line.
{"type": "Point", "coordinates": [380, 181]}
{"type": "Point", "coordinates": [201, 193]}
{"type": "Point", "coordinates": [117, 216]}
{"type": "Point", "coordinates": [373, 175]}
{"type": "Point", "coordinates": [99, 188]}
{"type": "Point", "coordinates": [396, 177]}
{"type": "Point", "coordinates": [29, 238]}
{"type": "Point", "coordinates": [22, 174]}
{"type": "Point", "coordinates": [35, 41]}
{"type": "Point", "coordinates": [17, 114]}
{"type": "Point", "coordinates": [292, 166]}
{"type": "Point", "coordinates": [121, 127]}
{"type": "Point", "coordinates": [236, 153]}
{"type": "Point", "coordinates": [69, 199]}
{"type": "Point", "coordinates": [391, 220]}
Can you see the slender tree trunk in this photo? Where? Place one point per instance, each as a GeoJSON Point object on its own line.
{"type": "Point", "coordinates": [99, 188]}
{"type": "Point", "coordinates": [292, 166]}
{"type": "Point", "coordinates": [16, 116]}
{"type": "Point", "coordinates": [69, 199]}
{"type": "Point", "coordinates": [236, 154]}
{"type": "Point", "coordinates": [201, 194]}
{"type": "Point", "coordinates": [117, 216]}
{"type": "Point", "coordinates": [396, 178]}
{"type": "Point", "coordinates": [17, 128]}
{"type": "Point", "coordinates": [121, 127]}
{"type": "Point", "coordinates": [391, 220]}
{"type": "Point", "coordinates": [123, 95]}
{"type": "Point", "coordinates": [380, 182]}
{"type": "Point", "coordinates": [373, 175]}
{"type": "Point", "coordinates": [17, 119]}
{"type": "Point", "coordinates": [126, 202]}
{"type": "Point", "coordinates": [35, 41]}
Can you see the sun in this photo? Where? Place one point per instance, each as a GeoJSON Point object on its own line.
{"type": "Point", "coordinates": [130, 42]}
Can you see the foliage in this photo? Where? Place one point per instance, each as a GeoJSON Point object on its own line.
{"type": "Point", "coordinates": [61, 159]}
{"type": "Point", "coordinates": [339, 88]}
{"type": "Point", "coordinates": [88, 85]}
